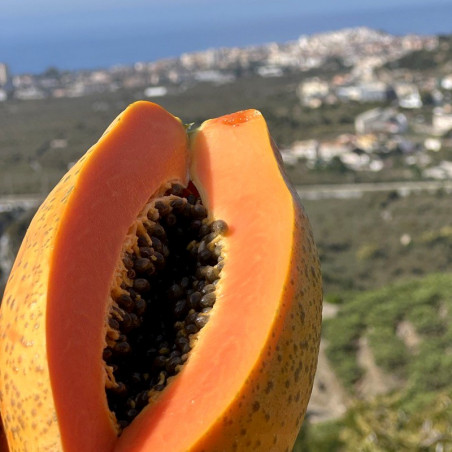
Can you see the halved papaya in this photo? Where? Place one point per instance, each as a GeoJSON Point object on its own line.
{"type": "Point", "coordinates": [166, 297]}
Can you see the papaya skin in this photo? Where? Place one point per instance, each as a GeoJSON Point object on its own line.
{"type": "Point", "coordinates": [249, 377]}
{"type": "Point", "coordinates": [52, 381]}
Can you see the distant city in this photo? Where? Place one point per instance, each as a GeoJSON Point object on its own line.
{"type": "Point", "coordinates": [362, 56]}
{"type": "Point", "coordinates": [360, 48]}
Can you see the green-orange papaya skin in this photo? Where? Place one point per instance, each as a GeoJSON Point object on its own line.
{"type": "Point", "coordinates": [247, 381]}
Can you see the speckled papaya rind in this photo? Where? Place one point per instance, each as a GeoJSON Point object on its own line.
{"type": "Point", "coordinates": [31, 411]}
{"type": "Point", "coordinates": [26, 403]}
{"type": "Point", "coordinates": [269, 411]}
{"type": "Point", "coordinates": [269, 406]}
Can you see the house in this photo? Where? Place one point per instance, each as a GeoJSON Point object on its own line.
{"type": "Point", "coordinates": [408, 95]}
{"type": "Point", "coordinates": [442, 119]}
{"type": "Point", "coordinates": [374, 91]}
{"type": "Point", "coordinates": [381, 120]}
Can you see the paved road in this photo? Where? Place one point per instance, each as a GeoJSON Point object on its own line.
{"type": "Point", "coordinates": [357, 190]}
{"type": "Point", "coordinates": [9, 202]}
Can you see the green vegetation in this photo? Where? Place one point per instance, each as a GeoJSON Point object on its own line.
{"type": "Point", "coordinates": [373, 240]}
{"type": "Point", "coordinates": [422, 361]}
{"type": "Point", "coordinates": [427, 60]}
{"type": "Point", "coordinates": [417, 414]}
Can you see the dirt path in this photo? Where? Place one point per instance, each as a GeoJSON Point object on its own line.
{"type": "Point", "coordinates": [329, 400]}
{"type": "Point", "coordinates": [374, 381]}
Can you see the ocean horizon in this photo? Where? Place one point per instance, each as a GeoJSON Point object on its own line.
{"type": "Point", "coordinates": [94, 46]}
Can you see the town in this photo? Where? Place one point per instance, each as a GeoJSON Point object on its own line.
{"type": "Point", "coordinates": [409, 114]}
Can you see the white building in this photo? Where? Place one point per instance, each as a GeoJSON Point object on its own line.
{"type": "Point", "coordinates": [381, 120]}
{"type": "Point", "coordinates": [442, 119]}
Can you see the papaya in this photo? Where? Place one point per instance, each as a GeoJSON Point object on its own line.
{"type": "Point", "coordinates": [166, 297]}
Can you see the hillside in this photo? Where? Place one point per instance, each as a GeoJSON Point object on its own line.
{"type": "Point", "coordinates": [391, 352]}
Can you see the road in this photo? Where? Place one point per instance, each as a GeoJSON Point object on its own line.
{"type": "Point", "coordinates": [10, 202]}
{"type": "Point", "coordinates": [356, 190]}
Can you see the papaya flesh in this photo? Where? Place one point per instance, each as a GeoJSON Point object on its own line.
{"type": "Point", "coordinates": [246, 374]}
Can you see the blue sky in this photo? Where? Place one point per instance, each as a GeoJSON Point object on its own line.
{"type": "Point", "coordinates": [35, 34]}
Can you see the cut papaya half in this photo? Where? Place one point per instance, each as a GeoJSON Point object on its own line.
{"type": "Point", "coordinates": [167, 296]}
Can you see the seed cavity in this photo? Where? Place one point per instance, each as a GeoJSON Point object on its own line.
{"type": "Point", "coordinates": [163, 293]}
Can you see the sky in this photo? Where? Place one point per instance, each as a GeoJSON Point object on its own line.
{"type": "Point", "coordinates": [35, 33]}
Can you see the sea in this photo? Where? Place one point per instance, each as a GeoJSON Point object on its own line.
{"type": "Point", "coordinates": [88, 42]}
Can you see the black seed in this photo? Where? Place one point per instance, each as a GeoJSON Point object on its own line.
{"type": "Point", "coordinates": [159, 260]}
{"type": "Point", "coordinates": [205, 256]}
{"type": "Point", "coordinates": [146, 251]}
{"type": "Point", "coordinates": [201, 321]}
{"type": "Point", "coordinates": [141, 285]}
{"type": "Point", "coordinates": [194, 300]}
{"type": "Point", "coordinates": [123, 424]}
{"type": "Point", "coordinates": [175, 292]}
{"type": "Point", "coordinates": [178, 204]}
{"type": "Point", "coordinates": [219, 226]}
{"type": "Point", "coordinates": [165, 251]}
{"type": "Point", "coordinates": [183, 344]}
{"type": "Point", "coordinates": [172, 363]}
{"type": "Point", "coordinates": [181, 332]}
{"type": "Point", "coordinates": [163, 208]}
{"type": "Point", "coordinates": [131, 274]}
{"type": "Point", "coordinates": [159, 231]}
{"type": "Point", "coordinates": [125, 302]}
{"type": "Point", "coordinates": [204, 230]}
{"type": "Point", "coordinates": [191, 198]}
{"type": "Point", "coordinates": [131, 414]}
{"type": "Point", "coordinates": [199, 211]}
{"type": "Point", "coordinates": [142, 399]}
{"type": "Point", "coordinates": [191, 317]}
{"type": "Point", "coordinates": [113, 323]}
{"type": "Point", "coordinates": [210, 237]}
{"type": "Point", "coordinates": [135, 378]}
{"type": "Point", "coordinates": [142, 241]}
{"type": "Point", "coordinates": [142, 264]}
{"type": "Point", "coordinates": [164, 350]}
{"type": "Point", "coordinates": [132, 294]}
{"type": "Point", "coordinates": [208, 300]}
{"type": "Point", "coordinates": [195, 225]}
{"type": "Point", "coordinates": [171, 219]}
{"type": "Point", "coordinates": [191, 328]}
{"type": "Point", "coordinates": [217, 253]}
{"type": "Point", "coordinates": [122, 348]}
{"type": "Point", "coordinates": [107, 354]}
{"type": "Point", "coordinates": [120, 389]}
{"type": "Point", "coordinates": [157, 244]}
{"type": "Point", "coordinates": [177, 189]}
{"type": "Point", "coordinates": [135, 321]}
{"type": "Point", "coordinates": [159, 387]}
{"type": "Point", "coordinates": [128, 261]}
{"type": "Point", "coordinates": [212, 274]}
{"type": "Point", "coordinates": [180, 308]}
{"type": "Point", "coordinates": [208, 288]}
{"type": "Point", "coordinates": [159, 361]}
{"type": "Point", "coordinates": [140, 306]}
{"type": "Point", "coordinates": [184, 282]}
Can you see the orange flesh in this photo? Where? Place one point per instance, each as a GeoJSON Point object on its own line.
{"type": "Point", "coordinates": [76, 367]}
{"type": "Point", "coordinates": [268, 297]}
{"type": "Point", "coordinates": [257, 255]}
